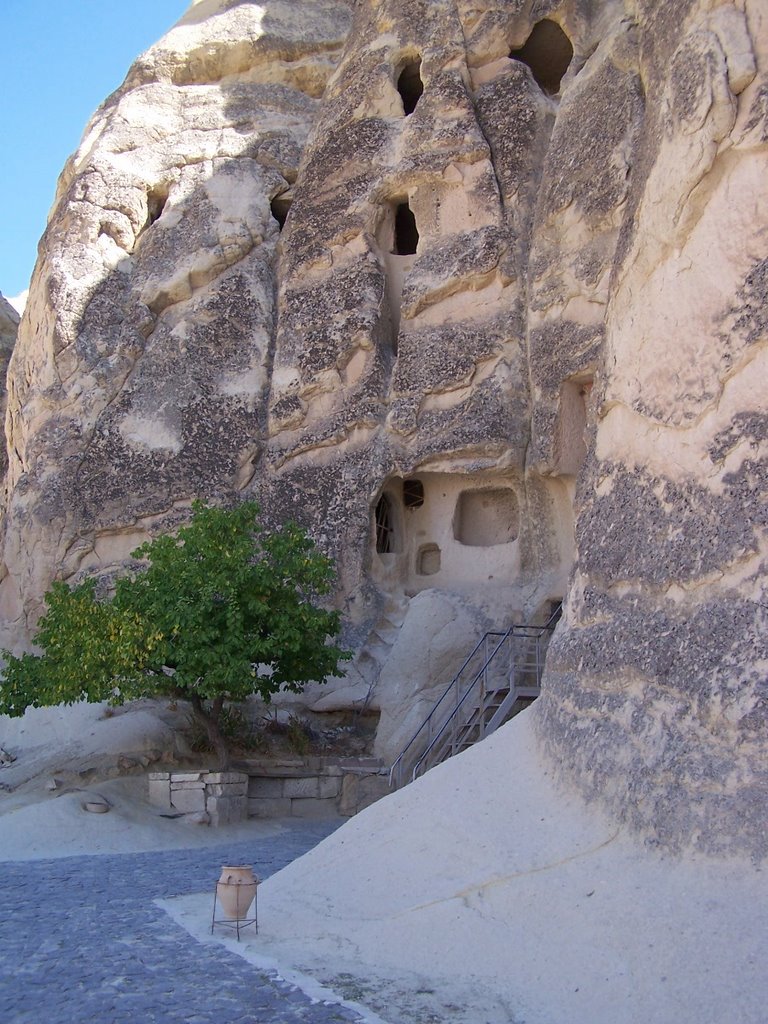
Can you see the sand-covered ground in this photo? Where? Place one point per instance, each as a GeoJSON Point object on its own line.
{"type": "Point", "coordinates": [64, 757]}
{"type": "Point", "coordinates": [481, 894]}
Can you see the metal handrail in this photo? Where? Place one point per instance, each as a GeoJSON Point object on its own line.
{"type": "Point", "coordinates": [515, 631]}
{"type": "Point", "coordinates": [431, 717]}
{"type": "Point", "coordinates": [426, 761]}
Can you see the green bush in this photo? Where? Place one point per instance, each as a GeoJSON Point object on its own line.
{"type": "Point", "coordinates": [220, 611]}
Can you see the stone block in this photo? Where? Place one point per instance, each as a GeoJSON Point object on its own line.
{"type": "Point", "coordinates": [227, 810]}
{"type": "Point", "coordinates": [225, 777]}
{"type": "Point", "coordinates": [314, 809]}
{"type": "Point", "coordinates": [160, 792]}
{"type": "Point", "coordinates": [264, 808]}
{"type": "Point", "coordinates": [269, 789]}
{"type": "Point", "coordinates": [227, 789]}
{"type": "Point", "coordinates": [188, 800]}
{"type": "Point", "coordinates": [349, 791]}
{"type": "Point", "coordinates": [176, 786]}
{"type": "Point", "coordinates": [302, 788]}
{"type": "Point", "coordinates": [372, 788]}
{"type": "Point", "coordinates": [329, 787]}
{"type": "Point", "coordinates": [359, 791]}
{"type": "Point", "coordinates": [186, 776]}
{"type": "Point", "coordinates": [158, 776]}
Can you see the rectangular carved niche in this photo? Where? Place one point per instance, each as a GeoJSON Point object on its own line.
{"type": "Point", "coordinates": [571, 445]}
{"type": "Point", "coordinates": [486, 517]}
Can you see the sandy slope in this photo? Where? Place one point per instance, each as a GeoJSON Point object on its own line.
{"type": "Point", "coordinates": [73, 745]}
{"type": "Point", "coordinates": [480, 895]}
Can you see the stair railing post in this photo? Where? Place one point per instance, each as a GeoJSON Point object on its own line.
{"type": "Point", "coordinates": [539, 664]}
{"type": "Point", "coordinates": [510, 661]}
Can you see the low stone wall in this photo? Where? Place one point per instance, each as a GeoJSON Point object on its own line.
{"type": "Point", "coordinates": [223, 796]}
{"type": "Point", "coordinates": [313, 788]}
{"type": "Point", "coordinates": [299, 788]}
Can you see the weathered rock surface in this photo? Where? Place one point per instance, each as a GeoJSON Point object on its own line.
{"type": "Point", "coordinates": [9, 327]}
{"type": "Point", "coordinates": [140, 379]}
{"type": "Point", "coordinates": [657, 692]}
{"type": "Point", "coordinates": [507, 349]}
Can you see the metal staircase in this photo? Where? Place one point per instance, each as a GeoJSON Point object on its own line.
{"type": "Point", "coordinates": [503, 669]}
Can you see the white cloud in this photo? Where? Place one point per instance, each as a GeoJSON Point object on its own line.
{"type": "Point", "coordinates": [19, 301]}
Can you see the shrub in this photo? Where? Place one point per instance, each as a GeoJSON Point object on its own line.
{"type": "Point", "coordinates": [221, 610]}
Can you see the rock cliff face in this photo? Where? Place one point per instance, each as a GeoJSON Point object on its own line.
{"type": "Point", "coordinates": [477, 292]}
{"type": "Point", "coordinates": [9, 326]}
{"type": "Point", "coordinates": [657, 692]}
{"type": "Point", "coordinates": [141, 375]}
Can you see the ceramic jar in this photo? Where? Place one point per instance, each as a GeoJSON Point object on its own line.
{"type": "Point", "coordinates": [236, 891]}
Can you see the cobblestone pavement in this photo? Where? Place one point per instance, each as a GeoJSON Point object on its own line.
{"type": "Point", "coordinates": [82, 942]}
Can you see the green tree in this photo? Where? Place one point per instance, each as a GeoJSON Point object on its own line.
{"type": "Point", "coordinates": [220, 611]}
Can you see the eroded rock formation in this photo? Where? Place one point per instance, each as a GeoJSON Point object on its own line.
{"type": "Point", "coordinates": [477, 292]}
{"type": "Point", "coordinates": [141, 376]}
{"type": "Point", "coordinates": [657, 691]}
{"type": "Point", "coordinates": [9, 326]}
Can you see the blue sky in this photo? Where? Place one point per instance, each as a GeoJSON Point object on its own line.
{"type": "Point", "coordinates": [60, 59]}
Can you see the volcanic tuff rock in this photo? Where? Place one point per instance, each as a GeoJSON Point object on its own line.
{"type": "Point", "coordinates": [9, 326]}
{"type": "Point", "coordinates": [477, 292]}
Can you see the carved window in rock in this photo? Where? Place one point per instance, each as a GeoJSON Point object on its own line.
{"type": "Point", "coordinates": [406, 235]}
{"type": "Point", "coordinates": [413, 493]}
{"type": "Point", "coordinates": [486, 517]}
{"type": "Point", "coordinates": [547, 52]}
{"type": "Point", "coordinates": [410, 85]}
{"type": "Point", "coordinates": [279, 208]}
{"type": "Point", "coordinates": [387, 540]}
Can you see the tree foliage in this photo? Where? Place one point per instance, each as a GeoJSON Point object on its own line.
{"type": "Point", "coordinates": [220, 611]}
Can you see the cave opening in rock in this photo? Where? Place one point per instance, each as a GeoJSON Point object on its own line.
{"type": "Point", "coordinates": [157, 197]}
{"type": "Point", "coordinates": [413, 493]}
{"type": "Point", "coordinates": [410, 85]}
{"type": "Point", "coordinates": [547, 52]}
{"type": "Point", "coordinates": [386, 537]}
{"type": "Point", "coordinates": [555, 610]}
{"type": "Point", "coordinates": [406, 233]}
{"type": "Point", "coordinates": [279, 208]}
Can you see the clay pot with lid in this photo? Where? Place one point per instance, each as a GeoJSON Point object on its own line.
{"type": "Point", "coordinates": [236, 891]}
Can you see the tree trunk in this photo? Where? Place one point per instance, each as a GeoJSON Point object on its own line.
{"type": "Point", "coordinates": [209, 719]}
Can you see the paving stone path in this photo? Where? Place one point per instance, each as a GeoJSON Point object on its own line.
{"type": "Point", "coordinates": [82, 942]}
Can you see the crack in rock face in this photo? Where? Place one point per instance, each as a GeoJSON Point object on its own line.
{"type": "Point", "coordinates": [507, 260]}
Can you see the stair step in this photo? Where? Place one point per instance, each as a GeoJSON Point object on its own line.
{"type": "Point", "coordinates": [500, 671]}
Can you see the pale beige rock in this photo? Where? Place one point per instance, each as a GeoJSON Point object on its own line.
{"type": "Point", "coordinates": [158, 268]}
{"type": "Point", "coordinates": [9, 326]}
{"type": "Point", "coordinates": [553, 392]}
{"type": "Point", "coordinates": [439, 630]}
{"type": "Point", "coordinates": [664, 638]}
